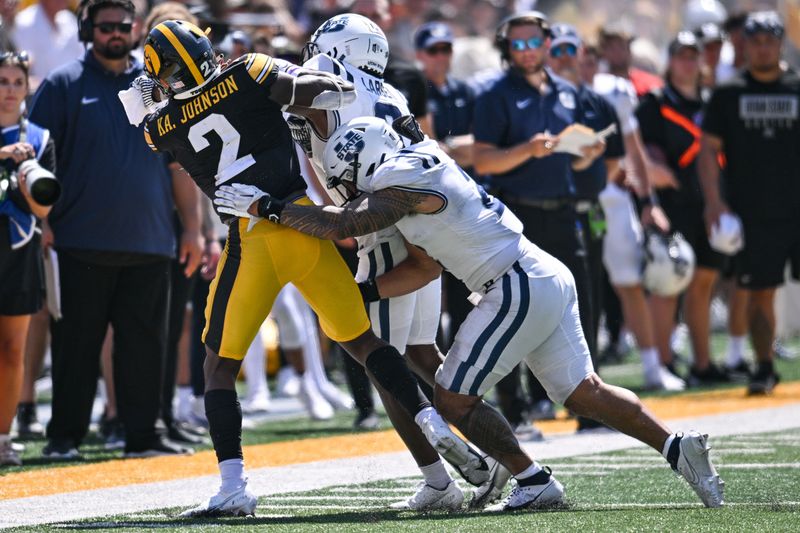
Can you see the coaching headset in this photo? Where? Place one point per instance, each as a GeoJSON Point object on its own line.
{"type": "Point", "coordinates": [87, 8]}
{"type": "Point", "coordinates": [501, 34]}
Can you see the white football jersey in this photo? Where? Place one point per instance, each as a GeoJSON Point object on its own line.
{"type": "Point", "coordinates": [622, 95]}
{"type": "Point", "coordinates": [473, 235]}
{"type": "Point", "coordinates": [373, 98]}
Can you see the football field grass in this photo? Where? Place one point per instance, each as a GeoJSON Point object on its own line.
{"type": "Point", "coordinates": [628, 490]}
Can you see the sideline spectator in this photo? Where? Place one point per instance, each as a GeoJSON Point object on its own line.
{"type": "Point", "coordinates": [451, 104]}
{"type": "Point", "coordinates": [48, 31]}
{"type": "Point", "coordinates": [20, 245]}
{"type": "Point", "coordinates": [516, 123]}
{"type": "Point", "coordinates": [566, 49]}
{"type": "Point", "coordinates": [668, 119]}
{"type": "Point", "coordinates": [712, 39]}
{"type": "Point", "coordinates": [753, 120]}
{"type": "Point", "coordinates": [113, 233]}
{"type": "Point", "coordinates": [615, 47]}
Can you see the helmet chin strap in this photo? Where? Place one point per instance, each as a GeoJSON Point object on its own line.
{"type": "Point", "coordinates": [194, 92]}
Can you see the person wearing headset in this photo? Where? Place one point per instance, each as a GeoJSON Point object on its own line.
{"type": "Point", "coordinates": [517, 120]}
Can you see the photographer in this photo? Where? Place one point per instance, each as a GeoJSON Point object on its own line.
{"type": "Point", "coordinates": [20, 250]}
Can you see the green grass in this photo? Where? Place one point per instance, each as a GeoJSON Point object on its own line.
{"type": "Point", "coordinates": [626, 374]}
{"type": "Point", "coordinates": [629, 490]}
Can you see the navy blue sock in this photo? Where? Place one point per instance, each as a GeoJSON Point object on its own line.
{"type": "Point", "coordinates": [674, 451]}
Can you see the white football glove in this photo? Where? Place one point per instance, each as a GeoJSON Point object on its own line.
{"type": "Point", "coordinates": [138, 100]}
{"type": "Point", "coordinates": [236, 199]}
{"type": "Point", "coordinates": [145, 86]}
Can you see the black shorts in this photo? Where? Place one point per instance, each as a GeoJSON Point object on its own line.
{"type": "Point", "coordinates": [688, 220]}
{"type": "Point", "coordinates": [768, 246]}
{"type": "Point", "coordinates": [22, 275]}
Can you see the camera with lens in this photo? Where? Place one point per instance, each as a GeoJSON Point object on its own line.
{"type": "Point", "coordinates": [42, 184]}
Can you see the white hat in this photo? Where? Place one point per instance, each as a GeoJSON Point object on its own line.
{"type": "Point", "coordinates": [726, 235]}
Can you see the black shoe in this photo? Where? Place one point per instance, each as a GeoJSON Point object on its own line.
{"type": "Point", "coordinates": [763, 382]}
{"type": "Point", "coordinates": [61, 450]}
{"type": "Point", "coordinates": [611, 354]}
{"type": "Point", "coordinates": [28, 425]}
{"type": "Point", "coordinates": [177, 432]}
{"type": "Point", "coordinates": [367, 420]}
{"type": "Point", "coordinates": [159, 446]}
{"type": "Point", "coordinates": [712, 375]}
{"type": "Point", "coordinates": [739, 372]}
{"type": "Point", "coordinates": [113, 433]}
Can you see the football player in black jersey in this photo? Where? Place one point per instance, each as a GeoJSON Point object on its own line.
{"type": "Point", "coordinates": [753, 121]}
{"type": "Point", "coordinates": [226, 123]}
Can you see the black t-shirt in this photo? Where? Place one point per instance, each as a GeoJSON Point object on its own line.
{"type": "Point", "coordinates": [231, 132]}
{"type": "Point", "coordinates": [760, 132]}
{"type": "Point", "coordinates": [410, 81]}
{"type": "Point", "coordinates": [598, 114]}
{"type": "Point", "coordinates": [671, 122]}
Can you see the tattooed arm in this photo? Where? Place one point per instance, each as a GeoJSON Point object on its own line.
{"type": "Point", "coordinates": [366, 214]}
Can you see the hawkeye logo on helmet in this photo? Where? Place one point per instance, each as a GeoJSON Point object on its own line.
{"type": "Point", "coordinates": [351, 146]}
{"type": "Point", "coordinates": [333, 25]}
{"type": "Point", "coordinates": [151, 60]}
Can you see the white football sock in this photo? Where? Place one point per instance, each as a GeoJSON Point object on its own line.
{"type": "Point", "coordinates": [436, 475]}
{"type": "Point", "coordinates": [254, 368]}
{"type": "Point", "coordinates": [735, 350]}
{"type": "Point", "coordinates": [423, 414]}
{"type": "Point", "coordinates": [232, 473]}
{"type": "Point", "coordinates": [531, 471]}
{"type": "Point", "coordinates": [650, 361]}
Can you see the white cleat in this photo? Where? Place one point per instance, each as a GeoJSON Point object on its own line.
{"type": "Point", "coordinates": [288, 382]}
{"type": "Point", "coordinates": [428, 498]}
{"type": "Point", "coordinates": [664, 380]}
{"type": "Point", "coordinates": [340, 400]}
{"type": "Point", "coordinates": [316, 405]}
{"type": "Point", "coordinates": [694, 464]}
{"type": "Point", "coordinates": [490, 490]}
{"type": "Point", "coordinates": [238, 503]}
{"type": "Point", "coordinates": [548, 494]}
{"type": "Point", "coordinates": [449, 445]}
{"type": "Point", "coordinates": [259, 403]}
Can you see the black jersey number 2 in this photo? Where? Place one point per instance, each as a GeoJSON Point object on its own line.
{"type": "Point", "coordinates": [229, 165]}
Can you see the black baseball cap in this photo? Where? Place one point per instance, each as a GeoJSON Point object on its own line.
{"type": "Point", "coordinates": [764, 22]}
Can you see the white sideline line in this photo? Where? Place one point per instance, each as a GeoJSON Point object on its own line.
{"type": "Point", "coordinates": [352, 471]}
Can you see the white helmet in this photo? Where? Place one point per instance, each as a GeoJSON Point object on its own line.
{"type": "Point", "coordinates": [355, 150]}
{"type": "Point", "coordinates": [669, 263]}
{"type": "Point", "coordinates": [699, 12]}
{"type": "Point", "coordinates": [353, 39]}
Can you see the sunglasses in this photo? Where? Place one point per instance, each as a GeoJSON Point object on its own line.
{"type": "Point", "coordinates": [107, 28]}
{"type": "Point", "coordinates": [16, 58]}
{"type": "Point", "coordinates": [565, 49]}
{"type": "Point", "coordinates": [534, 43]}
{"type": "Point", "coordinates": [437, 50]}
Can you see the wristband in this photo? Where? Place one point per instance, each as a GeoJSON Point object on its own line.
{"type": "Point", "coordinates": [270, 208]}
{"type": "Point", "coordinates": [644, 201]}
{"type": "Point", "coordinates": [369, 290]}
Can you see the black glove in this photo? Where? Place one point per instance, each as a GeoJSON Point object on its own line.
{"type": "Point", "coordinates": [270, 208]}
